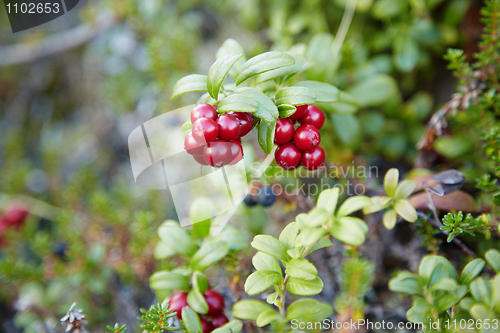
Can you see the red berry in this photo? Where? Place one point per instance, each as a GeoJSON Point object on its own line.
{"type": "Point", "coordinates": [288, 156]}
{"type": "Point", "coordinates": [177, 303]}
{"type": "Point", "coordinates": [219, 321]}
{"type": "Point", "coordinates": [203, 110]}
{"type": "Point", "coordinates": [313, 116]}
{"type": "Point", "coordinates": [313, 159]}
{"type": "Point", "coordinates": [229, 127]}
{"type": "Point", "coordinates": [206, 326]}
{"type": "Point", "coordinates": [215, 302]}
{"type": "Point", "coordinates": [204, 130]}
{"type": "Point", "coordinates": [306, 137]}
{"type": "Point", "coordinates": [191, 146]}
{"type": "Point", "coordinates": [200, 160]}
{"type": "Point", "coordinates": [246, 122]}
{"type": "Point", "coordinates": [301, 110]}
{"type": "Point", "coordinates": [15, 216]}
{"type": "Point", "coordinates": [236, 151]}
{"type": "Point", "coordinates": [284, 131]}
{"type": "Point", "coordinates": [217, 153]}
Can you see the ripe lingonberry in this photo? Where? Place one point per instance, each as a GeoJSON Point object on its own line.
{"type": "Point", "coordinates": [15, 216]}
{"type": "Point", "coordinates": [191, 146]}
{"type": "Point", "coordinates": [206, 326]}
{"type": "Point", "coordinates": [284, 131]}
{"type": "Point", "coordinates": [217, 153]}
{"type": "Point", "coordinates": [204, 130]}
{"type": "Point", "coordinates": [236, 151]}
{"type": "Point", "coordinates": [229, 127]}
{"type": "Point", "coordinates": [203, 110]}
{"type": "Point", "coordinates": [215, 302]}
{"type": "Point", "coordinates": [307, 137]}
{"type": "Point", "coordinates": [313, 116]}
{"type": "Point", "coordinates": [266, 196]}
{"type": "Point", "coordinates": [301, 110]}
{"type": "Point", "coordinates": [313, 159]}
{"type": "Point", "coordinates": [200, 160]}
{"type": "Point", "coordinates": [288, 156]}
{"type": "Point", "coordinates": [219, 321]}
{"type": "Point", "coordinates": [177, 303]}
{"type": "Point", "coordinates": [246, 121]}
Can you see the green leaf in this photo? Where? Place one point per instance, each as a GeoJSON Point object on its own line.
{"type": "Point", "coordinates": [165, 280]}
{"type": "Point", "coordinates": [328, 199]}
{"type": "Point", "coordinates": [346, 104]}
{"type": "Point", "coordinates": [430, 262]}
{"type": "Point", "coordinates": [230, 46]}
{"type": "Point", "coordinates": [265, 135]}
{"type": "Point", "coordinates": [320, 55]}
{"type": "Point", "coordinates": [289, 234]}
{"type": "Point", "coordinates": [348, 129]}
{"type": "Point", "coordinates": [191, 320]}
{"type": "Point", "coordinates": [321, 243]}
{"type": "Point", "coordinates": [391, 179]}
{"type": "Point", "coordinates": [301, 268]}
{"type": "Point", "coordinates": [250, 309]}
{"type": "Point", "coordinates": [177, 239]}
{"type": "Point", "coordinates": [288, 71]}
{"type": "Point", "coordinates": [263, 63]}
{"type": "Point", "coordinates": [325, 92]}
{"type": "Point", "coordinates": [406, 53]}
{"type": "Point", "coordinates": [233, 237]}
{"type": "Point", "coordinates": [406, 282]}
{"type": "Point", "coordinates": [404, 189]}
{"type": "Point", "coordinates": [209, 254]}
{"type": "Point", "coordinates": [309, 236]}
{"type": "Point", "coordinates": [453, 146]}
{"type": "Point", "coordinates": [495, 286]}
{"type": "Point", "coordinates": [304, 287]}
{"type": "Point", "coordinates": [376, 90]}
{"type": "Point", "coordinates": [353, 204]}
{"type": "Point", "coordinates": [286, 110]}
{"type": "Point", "coordinates": [162, 251]}
{"type": "Point", "coordinates": [389, 219]}
{"type": "Point", "coordinates": [234, 326]}
{"type": "Point", "coordinates": [303, 308]}
{"type": "Point", "coordinates": [295, 96]}
{"type": "Point", "coordinates": [195, 297]}
{"type": "Point", "coordinates": [481, 290]}
{"type": "Point", "coordinates": [218, 72]}
{"type": "Point", "coordinates": [270, 245]}
{"type": "Point", "coordinates": [405, 210]}
{"type": "Point", "coordinates": [190, 83]}
{"type": "Point", "coordinates": [267, 317]}
{"type": "Point", "coordinates": [447, 284]}
{"type": "Point", "coordinates": [347, 232]}
{"type": "Point", "coordinates": [264, 262]}
{"type": "Point", "coordinates": [471, 271]}
{"type": "Point", "coordinates": [317, 217]}
{"type": "Point", "coordinates": [295, 252]}
{"type": "Point", "coordinates": [266, 110]}
{"type": "Point", "coordinates": [259, 281]}
{"type": "Point", "coordinates": [238, 103]}
{"type": "Point", "coordinates": [446, 302]}
{"type": "Point", "coordinates": [481, 313]}
{"type": "Point", "coordinates": [493, 259]}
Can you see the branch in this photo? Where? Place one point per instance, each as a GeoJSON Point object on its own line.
{"type": "Point", "coordinates": [58, 42]}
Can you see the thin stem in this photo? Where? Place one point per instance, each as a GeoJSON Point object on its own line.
{"type": "Point", "coordinates": [350, 7]}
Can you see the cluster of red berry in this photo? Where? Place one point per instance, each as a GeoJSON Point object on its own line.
{"type": "Point", "coordinates": [215, 140]}
{"type": "Point", "coordinates": [13, 217]}
{"type": "Point", "coordinates": [213, 319]}
{"type": "Point", "coordinates": [305, 149]}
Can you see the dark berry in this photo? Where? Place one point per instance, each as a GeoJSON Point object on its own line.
{"type": "Point", "coordinates": [288, 156]}
{"type": "Point", "coordinates": [200, 160]}
{"type": "Point", "coordinates": [177, 303]}
{"type": "Point", "coordinates": [217, 153]}
{"type": "Point", "coordinates": [236, 151]}
{"type": "Point", "coordinates": [246, 122]}
{"type": "Point", "coordinates": [313, 116]}
{"type": "Point", "coordinates": [313, 159]}
{"type": "Point", "coordinates": [215, 302]}
{"type": "Point", "coordinates": [60, 249]}
{"type": "Point", "coordinates": [229, 127]}
{"type": "Point", "coordinates": [191, 146]}
{"type": "Point", "coordinates": [265, 196]}
{"type": "Point", "coordinates": [250, 200]}
{"type": "Point", "coordinates": [206, 326]}
{"type": "Point", "coordinates": [284, 131]}
{"type": "Point", "coordinates": [15, 216]}
{"type": "Point", "coordinates": [204, 130]}
{"type": "Point", "coordinates": [219, 321]}
{"type": "Point", "coordinates": [301, 109]}
{"type": "Point", "coordinates": [203, 110]}
{"type": "Point", "coordinates": [306, 137]}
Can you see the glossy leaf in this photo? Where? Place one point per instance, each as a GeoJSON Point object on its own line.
{"type": "Point", "coordinates": [472, 270]}
{"type": "Point", "coordinates": [289, 234]}
{"type": "Point", "coordinates": [391, 179]}
{"type": "Point", "coordinates": [353, 204]}
{"type": "Point", "coordinates": [301, 268]}
{"type": "Point", "coordinates": [286, 110]}
{"type": "Point", "coordinates": [265, 134]}
{"type": "Point", "coordinates": [405, 210]}
{"type": "Point", "coordinates": [263, 63]}
{"type": "Point", "coordinates": [190, 83]}
{"type": "Point", "coordinates": [238, 103]}
{"type": "Point", "coordinates": [165, 280]}
{"type": "Point", "coordinates": [191, 320]}
{"type": "Point", "coordinates": [234, 326]}
{"type": "Point", "coordinates": [325, 92]}
{"type": "Point", "coordinates": [270, 245]}
{"type": "Point", "coordinates": [303, 308]}
{"type": "Point", "coordinates": [295, 96]}
{"type": "Point", "coordinates": [177, 239]}
{"type": "Point", "coordinates": [259, 281]}
{"type": "Point", "coordinates": [218, 72]}
{"type": "Point", "coordinates": [493, 259]}
{"type": "Point", "coordinates": [209, 254]}
{"type": "Point", "coordinates": [328, 199]}
{"type": "Point", "coordinates": [304, 287]}
{"type": "Point", "coordinates": [250, 309]}
{"type": "Point", "coordinates": [266, 110]}
{"type": "Point", "coordinates": [264, 262]}
{"type": "Point", "coordinates": [267, 317]}
{"type": "Point", "coordinates": [404, 189]}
